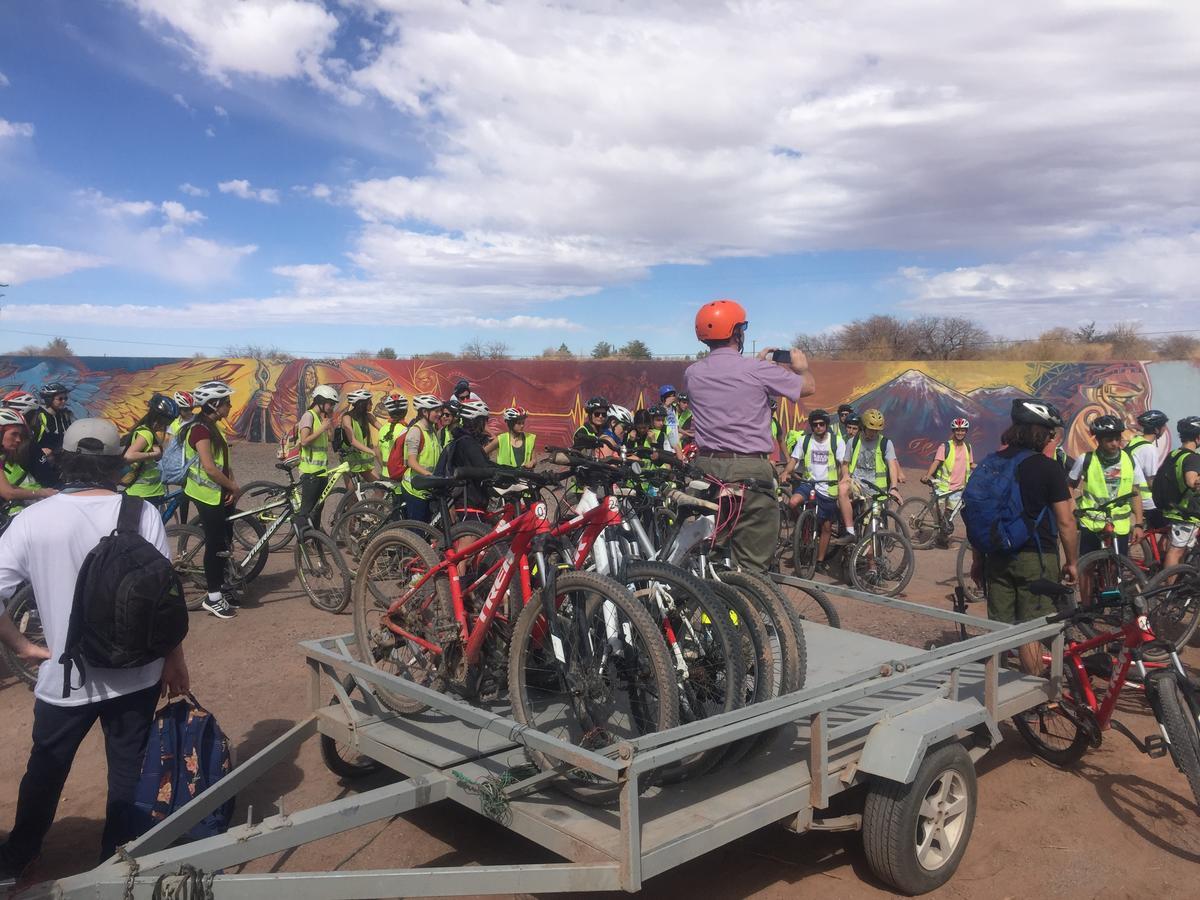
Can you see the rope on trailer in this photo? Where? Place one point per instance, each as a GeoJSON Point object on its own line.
{"type": "Point", "coordinates": [189, 883]}
{"type": "Point", "coordinates": [490, 790]}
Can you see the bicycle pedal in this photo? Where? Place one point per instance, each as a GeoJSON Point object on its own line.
{"type": "Point", "coordinates": [225, 554]}
{"type": "Point", "coordinates": [1155, 746]}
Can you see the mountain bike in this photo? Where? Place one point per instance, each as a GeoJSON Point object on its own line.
{"type": "Point", "coordinates": [1061, 731]}
{"type": "Point", "coordinates": [881, 560]}
{"type": "Point", "coordinates": [22, 609]}
{"type": "Point", "coordinates": [927, 519]}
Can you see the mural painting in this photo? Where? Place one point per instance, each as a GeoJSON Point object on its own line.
{"type": "Point", "coordinates": [917, 399]}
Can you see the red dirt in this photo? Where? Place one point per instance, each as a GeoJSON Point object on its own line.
{"type": "Point", "coordinates": [1120, 824]}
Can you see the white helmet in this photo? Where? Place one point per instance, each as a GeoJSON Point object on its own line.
{"type": "Point", "coordinates": [357, 396]}
{"type": "Point", "coordinates": [473, 409]}
{"type": "Point", "coordinates": [621, 414]}
{"type": "Point", "coordinates": [11, 417]}
{"type": "Point", "coordinates": [515, 414]}
{"type": "Point", "coordinates": [427, 401]}
{"type": "Point", "coordinates": [396, 403]}
{"type": "Point", "coordinates": [210, 391]}
{"type": "Point", "coordinates": [21, 401]}
{"type": "Point", "coordinates": [325, 392]}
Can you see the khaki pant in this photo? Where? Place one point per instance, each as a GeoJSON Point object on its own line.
{"type": "Point", "coordinates": [752, 544]}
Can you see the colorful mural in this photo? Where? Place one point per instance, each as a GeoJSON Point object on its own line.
{"type": "Point", "coordinates": [918, 399]}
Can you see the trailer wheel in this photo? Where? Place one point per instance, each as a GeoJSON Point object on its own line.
{"type": "Point", "coordinates": [915, 834]}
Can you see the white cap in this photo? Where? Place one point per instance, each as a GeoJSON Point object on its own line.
{"type": "Point", "coordinates": [93, 437]}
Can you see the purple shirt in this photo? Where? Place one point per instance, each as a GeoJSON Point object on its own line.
{"type": "Point", "coordinates": [730, 396]}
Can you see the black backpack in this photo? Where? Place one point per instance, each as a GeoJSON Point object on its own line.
{"type": "Point", "coordinates": [1165, 489]}
{"type": "Point", "coordinates": [129, 608]}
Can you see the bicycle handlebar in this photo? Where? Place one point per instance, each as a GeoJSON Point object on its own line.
{"type": "Point", "coordinates": [1106, 505]}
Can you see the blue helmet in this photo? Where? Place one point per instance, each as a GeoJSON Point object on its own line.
{"type": "Point", "coordinates": [665, 390]}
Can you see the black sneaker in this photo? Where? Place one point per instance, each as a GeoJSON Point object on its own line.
{"type": "Point", "coordinates": [10, 872]}
{"type": "Point", "coordinates": [219, 608]}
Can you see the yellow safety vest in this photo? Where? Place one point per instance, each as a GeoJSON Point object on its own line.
{"type": "Point", "coordinates": [387, 437]}
{"type": "Point", "coordinates": [883, 476]}
{"type": "Point", "coordinates": [198, 485]}
{"type": "Point", "coordinates": [358, 460]}
{"type": "Point", "coordinates": [1136, 442]}
{"type": "Point", "coordinates": [148, 482]}
{"type": "Point", "coordinates": [431, 449]}
{"type": "Point", "coordinates": [1180, 510]}
{"type": "Point", "coordinates": [792, 439]}
{"type": "Point", "coordinates": [941, 478]}
{"type": "Point", "coordinates": [18, 476]}
{"type": "Point", "coordinates": [506, 456]}
{"type": "Point", "coordinates": [1095, 492]}
{"type": "Point", "coordinates": [314, 457]}
{"type": "Point", "coordinates": [831, 474]}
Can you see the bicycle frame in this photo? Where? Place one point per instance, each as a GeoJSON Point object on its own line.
{"type": "Point", "coordinates": [276, 524]}
{"type": "Point", "coordinates": [1133, 635]}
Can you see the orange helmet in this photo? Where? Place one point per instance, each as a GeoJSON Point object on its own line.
{"type": "Point", "coordinates": [717, 320]}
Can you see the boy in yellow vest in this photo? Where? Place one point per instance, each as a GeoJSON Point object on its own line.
{"type": "Point", "coordinates": [1104, 474]}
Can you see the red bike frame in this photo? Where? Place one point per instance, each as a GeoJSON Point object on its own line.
{"type": "Point", "coordinates": [1132, 635]}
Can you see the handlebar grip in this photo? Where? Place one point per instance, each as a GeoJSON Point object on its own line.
{"type": "Point", "coordinates": [679, 498]}
{"type": "Point", "coordinates": [477, 473]}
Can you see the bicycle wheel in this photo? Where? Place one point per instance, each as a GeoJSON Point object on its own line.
{"type": "Point", "coordinates": [1175, 613]}
{"type": "Point", "coordinates": [322, 571]}
{"type": "Point", "coordinates": [811, 605]}
{"type": "Point", "coordinates": [962, 572]}
{"type": "Point", "coordinates": [611, 680]}
{"type": "Point", "coordinates": [186, 543]}
{"type": "Point", "coordinates": [353, 529]}
{"type": "Point", "coordinates": [699, 637]}
{"type": "Point", "coordinates": [247, 531]}
{"type": "Point", "coordinates": [367, 491]}
{"type": "Point", "coordinates": [922, 522]}
{"type": "Point", "coordinates": [1100, 573]}
{"type": "Point", "coordinates": [805, 537]}
{"type": "Point", "coordinates": [271, 491]}
{"type": "Point", "coordinates": [758, 659]}
{"type": "Point", "coordinates": [1145, 554]}
{"type": "Point", "coordinates": [392, 563]}
{"type": "Point", "coordinates": [333, 501]}
{"type": "Point", "coordinates": [22, 609]}
{"type": "Point", "coordinates": [1056, 731]}
{"type": "Point", "coordinates": [782, 620]}
{"type": "Point", "coordinates": [882, 563]}
{"type": "Point", "coordinates": [1177, 713]}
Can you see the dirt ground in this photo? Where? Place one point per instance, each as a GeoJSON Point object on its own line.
{"type": "Point", "coordinates": [1119, 825]}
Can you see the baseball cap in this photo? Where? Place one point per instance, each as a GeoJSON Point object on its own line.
{"type": "Point", "coordinates": [93, 437]}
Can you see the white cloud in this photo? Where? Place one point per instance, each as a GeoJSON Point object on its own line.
{"type": "Point", "coordinates": [4, 82]}
{"type": "Point", "coordinates": [210, 132]}
{"type": "Point", "coordinates": [192, 191]}
{"type": "Point", "coordinates": [25, 262]}
{"type": "Point", "coordinates": [321, 191]}
{"type": "Point", "coordinates": [240, 187]}
{"type": "Point", "coordinates": [177, 215]}
{"type": "Point", "coordinates": [267, 38]}
{"type": "Point", "coordinates": [15, 129]}
{"type": "Point", "coordinates": [221, 111]}
{"type": "Point", "coordinates": [182, 101]}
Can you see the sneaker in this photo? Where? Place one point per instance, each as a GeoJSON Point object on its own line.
{"type": "Point", "coordinates": [10, 872]}
{"type": "Point", "coordinates": [219, 608]}
{"type": "Point", "coordinates": [844, 538]}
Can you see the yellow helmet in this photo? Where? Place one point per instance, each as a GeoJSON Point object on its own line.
{"type": "Point", "coordinates": [873, 419]}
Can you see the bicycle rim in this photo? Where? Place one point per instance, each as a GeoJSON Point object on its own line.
{"type": "Point", "coordinates": [921, 521]}
{"type": "Point", "coordinates": [882, 563]}
{"type": "Point", "coordinates": [323, 574]}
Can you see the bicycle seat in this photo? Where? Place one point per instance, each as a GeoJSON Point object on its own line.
{"type": "Point", "coordinates": [435, 484]}
{"type": "Point", "coordinates": [1044, 587]}
{"type": "Point", "coordinates": [288, 466]}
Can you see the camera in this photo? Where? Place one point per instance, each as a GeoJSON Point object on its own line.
{"type": "Point", "coordinates": [782, 356]}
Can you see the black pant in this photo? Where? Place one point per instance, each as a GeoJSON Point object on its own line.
{"type": "Point", "coordinates": [57, 733]}
{"type": "Point", "coordinates": [311, 486]}
{"type": "Point", "coordinates": [218, 537]}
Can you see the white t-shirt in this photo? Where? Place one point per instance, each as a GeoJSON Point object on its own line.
{"type": "Point", "coordinates": [864, 469]}
{"type": "Point", "coordinates": [46, 545]}
{"type": "Point", "coordinates": [1146, 460]}
{"type": "Point", "coordinates": [818, 454]}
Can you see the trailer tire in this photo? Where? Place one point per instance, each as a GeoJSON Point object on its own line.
{"type": "Point", "coordinates": [912, 841]}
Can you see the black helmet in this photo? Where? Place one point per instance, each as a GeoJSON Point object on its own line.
{"type": "Point", "coordinates": [818, 415]}
{"type": "Point", "coordinates": [641, 418]}
{"type": "Point", "coordinates": [1107, 426]}
{"type": "Point", "coordinates": [454, 405]}
{"type": "Point", "coordinates": [461, 385]}
{"type": "Point", "coordinates": [657, 411]}
{"type": "Point", "coordinates": [1152, 419]}
{"type": "Point", "coordinates": [854, 419]}
{"type": "Point", "coordinates": [1035, 412]}
{"type": "Point", "coordinates": [681, 397]}
{"type": "Point", "coordinates": [597, 404]}
{"type": "Point", "coordinates": [1188, 428]}
{"type": "Point", "coordinates": [164, 406]}
{"type": "Point", "coordinates": [53, 388]}
{"type": "Point", "coordinates": [845, 408]}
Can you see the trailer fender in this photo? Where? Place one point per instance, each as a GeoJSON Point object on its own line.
{"type": "Point", "coordinates": [896, 745]}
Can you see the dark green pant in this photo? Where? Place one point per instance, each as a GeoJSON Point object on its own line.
{"type": "Point", "coordinates": [1007, 577]}
{"type": "Point", "coordinates": [752, 544]}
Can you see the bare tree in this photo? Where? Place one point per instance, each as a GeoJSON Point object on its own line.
{"type": "Point", "coordinates": [816, 344]}
{"type": "Point", "coordinates": [258, 351]}
{"type": "Point", "coordinates": [496, 350]}
{"type": "Point", "coordinates": [386, 353]}
{"type": "Point", "coordinates": [55, 347]}
{"type": "Point", "coordinates": [1087, 334]}
{"type": "Point", "coordinates": [1126, 342]}
{"type": "Point", "coordinates": [473, 349]}
{"type": "Point", "coordinates": [947, 337]}
{"type": "Point", "coordinates": [1179, 346]}
{"type": "Point", "coordinates": [878, 337]}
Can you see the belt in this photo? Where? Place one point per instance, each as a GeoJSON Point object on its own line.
{"type": "Point", "coordinates": [731, 454]}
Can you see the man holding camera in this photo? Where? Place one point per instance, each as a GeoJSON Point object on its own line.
{"type": "Point", "coordinates": [731, 413]}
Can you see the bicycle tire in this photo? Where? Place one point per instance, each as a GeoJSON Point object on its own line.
{"type": "Point", "coordinates": [1068, 714]}
{"type": "Point", "coordinates": [894, 578]}
{"type": "Point", "coordinates": [400, 557]}
{"type": "Point", "coordinates": [806, 538]}
{"type": "Point", "coordinates": [921, 521]}
{"type": "Point", "coordinates": [349, 765]}
{"type": "Point", "coordinates": [1107, 571]}
{"type": "Point", "coordinates": [893, 522]}
{"type": "Point", "coordinates": [757, 659]}
{"type": "Point", "coordinates": [353, 530]}
{"type": "Point", "coordinates": [322, 572]}
{"type": "Point", "coordinates": [244, 526]}
{"type": "Point", "coordinates": [641, 666]}
{"type": "Point", "coordinates": [351, 498]}
{"type": "Point", "coordinates": [1178, 716]}
{"type": "Point", "coordinates": [962, 573]}
{"type": "Point", "coordinates": [282, 536]}
{"type": "Point", "coordinates": [779, 616]}
{"type": "Point", "coordinates": [22, 609]}
{"type": "Point", "coordinates": [1174, 615]}
{"type": "Point", "coordinates": [811, 605]}
{"type": "Point", "coordinates": [186, 543]}
{"type": "Point", "coordinates": [469, 570]}
{"type": "Point", "coordinates": [706, 646]}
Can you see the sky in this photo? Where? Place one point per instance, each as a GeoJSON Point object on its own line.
{"type": "Point", "coordinates": [182, 176]}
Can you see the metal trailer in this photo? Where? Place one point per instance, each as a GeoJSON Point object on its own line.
{"type": "Point", "coordinates": [873, 712]}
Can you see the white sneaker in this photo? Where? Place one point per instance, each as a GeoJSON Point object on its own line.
{"type": "Point", "coordinates": [219, 608]}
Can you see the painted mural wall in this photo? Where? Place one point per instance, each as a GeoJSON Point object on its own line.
{"type": "Point", "coordinates": [918, 399]}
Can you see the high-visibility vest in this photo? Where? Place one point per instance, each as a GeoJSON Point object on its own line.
{"type": "Point", "coordinates": [1148, 477]}
{"type": "Point", "coordinates": [387, 436]}
{"type": "Point", "coordinates": [359, 460]}
{"type": "Point", "coordinates": [427, 457]}
{"type": "Point", "coordinates": [505, 453]}
{"type": "Point", "coordinates": [831, 473]}
{"type": "Point", "coordinates": [314, 456]}
{"type": "Point", "coordinates": [941, 477]}
{"type": "Point", "coordinates": [198, 485]}
{"type": "Point", "coordinates": [1180, 510]}
{"type": "Point", "coordinates": [18, 476]}
{"type": "Point", "coordinates": [883, 475]}
{"type": "Point", "coordinates": [792, 439]}
{"type": "Point", "coordinates": [1095, 493]}
{"type": "Point", "coordinates": [148, 482]}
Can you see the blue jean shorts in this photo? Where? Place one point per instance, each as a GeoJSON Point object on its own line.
{"type": "Point", "coordinates": [827, 508]}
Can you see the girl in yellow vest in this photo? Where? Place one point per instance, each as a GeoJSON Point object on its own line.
{"type": "Point", "coordinates": [396, 406]}
{"type": "Point", "coordinates": [359, 425]}
{"type": "Point", "coordinates": [422, 447]}
{"type": "Point", "coordinates": [17, 488]}
{"type": "Point", "coordinates": [515, 446]}
{"type": "Point", "coordinates": [212, 488]}
{"type": "Point", "coordinates": [314, 429]}
{"type": "Point", "coordinates": [145, 448]}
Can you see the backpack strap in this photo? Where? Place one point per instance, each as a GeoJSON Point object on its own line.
{"type": "Point", "coordinates": [129, 518]}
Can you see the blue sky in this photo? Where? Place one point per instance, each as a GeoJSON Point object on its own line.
{"type": "Point", "coordinates": [185, 175]}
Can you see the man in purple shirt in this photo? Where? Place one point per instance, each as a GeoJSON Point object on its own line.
{"type": "Point", "coordinates": [731, 412]}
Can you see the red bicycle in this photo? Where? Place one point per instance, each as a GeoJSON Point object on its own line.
{"type": "Point", "coordinates": [582, 660]}
{"type": "Point", "coordinates": [1061, 731]}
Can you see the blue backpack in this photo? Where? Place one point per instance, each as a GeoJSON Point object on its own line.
{"type": "Point", "coordinates": [993, 511]}
{"type": "Point", "coordinates": [186, 754]}
{"type": "Point", "coordinates": [173, 465]}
